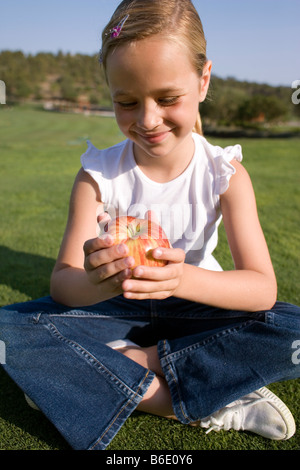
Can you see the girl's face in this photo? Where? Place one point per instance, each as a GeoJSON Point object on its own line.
{"type": "Point", "coordinates": [156, 93]}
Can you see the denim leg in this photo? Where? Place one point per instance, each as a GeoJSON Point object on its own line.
{"type": "Point", "coordinates": [218, 364]}
{"type": "Point", "coordinates": [59, 358]}
{"type": "Point", "coordinates": [210, 358]}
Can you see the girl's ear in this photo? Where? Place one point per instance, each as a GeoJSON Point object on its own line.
{"type": "Point", "coordinates": [205, 80]}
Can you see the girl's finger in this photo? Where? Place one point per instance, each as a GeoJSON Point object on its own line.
{"type": "Point", "coordinates": [109, 270]}
{"type": "Point", "coordinates": [133, 286]}
{"type": "Point", "coordinates": [146, 296]}
{"type": "Point", "coordinates": [107, 256]}
{"type": "Point", "coordinates": [160, 273]}
{"type": "Point", "coordinates": [96, 244]}
{"type": "Point", "coordinates": [174, 255]}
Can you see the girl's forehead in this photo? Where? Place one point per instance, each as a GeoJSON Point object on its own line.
{"type": "Point", "coordinates": [153, 49]}
{"type": "Point", "coordinates": [159, 59]}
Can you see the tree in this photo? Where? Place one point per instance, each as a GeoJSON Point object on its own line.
{"type": "Point", "coordinates": [260, 107]}
{"type": "Point", "coordinates": [67, 88]}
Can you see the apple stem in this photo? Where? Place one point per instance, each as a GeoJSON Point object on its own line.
{"type": "Point", "coordinates": [133, 231]}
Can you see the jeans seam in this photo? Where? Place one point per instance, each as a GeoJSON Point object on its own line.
{"type": "Point", "coordinates": [91, 359]}
{"type": "Point", "coordinates": [270, 318]}
{"type": "Point", "coordinates": [135, 394]}
{"type": "Point", "coordinates": [210, 339]}
{"type": "Point", "coordinates": [176, 384]}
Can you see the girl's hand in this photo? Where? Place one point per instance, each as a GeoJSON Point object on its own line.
{"type": "Point", "coordinates": [159, 282]}
{"type": "Point", "coordinates": [107, 264]}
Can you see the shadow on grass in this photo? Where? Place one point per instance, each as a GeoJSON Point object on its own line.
{"type": "Point", "coordinates": [26, 273]}
{"type": "Point", "coordinates": [22, 428]}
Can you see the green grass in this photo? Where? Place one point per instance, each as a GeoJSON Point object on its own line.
{"type": "Point", "coordinates": [40, 156]}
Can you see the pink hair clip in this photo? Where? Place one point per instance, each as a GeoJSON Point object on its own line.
{"type": "Point", "coordinates": [116, 31]}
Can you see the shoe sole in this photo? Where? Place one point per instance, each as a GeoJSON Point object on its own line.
{"type": "Point", "coordinates": [285, 412]}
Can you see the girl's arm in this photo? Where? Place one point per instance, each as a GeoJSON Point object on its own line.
{"type": "Point", "coordinates": [88, 269]}
{"type": "Point", "coordinates": [250, 287]}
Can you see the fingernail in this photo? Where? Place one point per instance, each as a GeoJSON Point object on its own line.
{"type": "Point", "coordinates": [107, 239]}
{"type": "Point", "coordinates": [130, 261]}
{"type": "Point", "coordinates": [138, 272]}
{"type": "Point", "coordinates": [122, 249]}
{"type": "Point", "coordinates": [127, 285]}
{"type": "Point", "coordinates": [157, 253]}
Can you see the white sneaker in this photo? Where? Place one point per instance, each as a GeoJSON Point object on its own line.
{"type": "Point", "coordinates": [31, 403]}
{"type": "Point", "coordinates": [260, 412]}
{"type": "Point", "coordinates": [121, 343]}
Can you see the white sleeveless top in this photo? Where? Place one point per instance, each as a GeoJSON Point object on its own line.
{"type": "Point", "coordinates": [188, 207]}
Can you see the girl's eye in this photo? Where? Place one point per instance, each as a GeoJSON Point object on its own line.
{"type": "Point", "coordinates": [161, 102]}
{"type": "Point", "coordinates": [168, 101]}
{"type": "Point", "coordinates": [125, 105]}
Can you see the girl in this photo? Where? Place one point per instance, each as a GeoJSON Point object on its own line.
{"type": "Point", "coordinates": [186, 341]}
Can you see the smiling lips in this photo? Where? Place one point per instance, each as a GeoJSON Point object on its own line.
{"type": "Point", "coordinates": [154, 138]}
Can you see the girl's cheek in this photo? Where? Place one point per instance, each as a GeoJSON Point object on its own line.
{"type": "Point", "coordinates": [123, 120]}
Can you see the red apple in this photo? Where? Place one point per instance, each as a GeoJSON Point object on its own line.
{"type": "Point", "coordinates": [141, 236]}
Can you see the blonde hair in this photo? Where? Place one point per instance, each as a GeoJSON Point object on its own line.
{"type": "Point", "coordinates": [174, 19]}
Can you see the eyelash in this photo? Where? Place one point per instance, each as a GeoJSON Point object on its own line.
{"type": "Point", "coordinates": [164, 102]}
{"type": "Point", "coordinates": [169, 101]}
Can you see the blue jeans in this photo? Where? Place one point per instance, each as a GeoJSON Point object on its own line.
{"type": "Point", "coordinates": [210, 357]}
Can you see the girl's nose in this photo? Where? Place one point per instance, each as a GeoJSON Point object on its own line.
{"type": "Point", "coordinates": [149, 117]}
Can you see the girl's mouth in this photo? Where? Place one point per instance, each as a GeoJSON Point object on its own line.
{"type": "Point", "coordinates": [154, 138]}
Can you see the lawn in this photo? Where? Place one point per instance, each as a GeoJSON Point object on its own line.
{"type": "Point", "coordinates": [39, 158]}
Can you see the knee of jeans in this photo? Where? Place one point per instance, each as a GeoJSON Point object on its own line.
{"type": "Point", "coordinates": [284, 315]}
{"type": "Point", "coordinates": [5, 316]}
{"type": "Point", "coordinates": [10, 316]}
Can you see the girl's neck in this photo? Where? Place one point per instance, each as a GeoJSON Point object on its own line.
{"type": "Point", "coordinates": [168, 167]}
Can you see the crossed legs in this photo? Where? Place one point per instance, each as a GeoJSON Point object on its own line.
{"type": "Point", "coordinates": [157, 399]}
{"type": "Point", "coordinates": [260, 412]}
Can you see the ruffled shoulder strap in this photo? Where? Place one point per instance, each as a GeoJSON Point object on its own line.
{"type": "Point", "coordinates": [220, 159]}
{"type": "Point", "coordinates": [92, 163]}
{"type": "Point", "coordinates": [105, 165]}
{"type": "Point", "coordinates": [90, 158]}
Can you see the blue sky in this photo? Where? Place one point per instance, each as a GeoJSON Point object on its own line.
{"type": "Point", "coordinates": [253, 40]}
